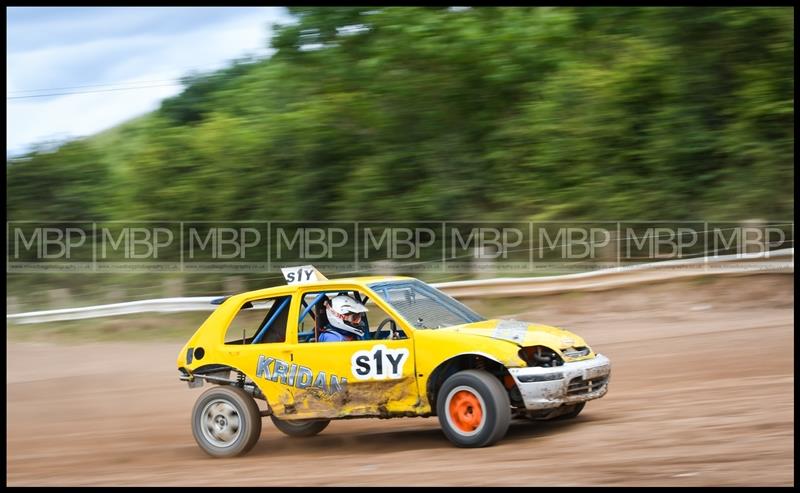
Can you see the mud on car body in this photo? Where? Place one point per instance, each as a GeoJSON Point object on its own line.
{"type": "Point", "coordinates": [425, 354]}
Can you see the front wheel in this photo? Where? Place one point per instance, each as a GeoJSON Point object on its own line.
{"type": "Point", "coordinates": [473, 409]}
{"type": "Point", "coordinates": [300, 428]}
{"type": "Point", "coordinates": [226, 421]}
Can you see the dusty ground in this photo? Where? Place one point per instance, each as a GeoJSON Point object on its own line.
{"type": "Point", "coordinates": [702, 393]}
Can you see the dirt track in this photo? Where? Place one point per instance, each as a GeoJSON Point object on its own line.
{"type": "Point", "coordinates": [701, 393]}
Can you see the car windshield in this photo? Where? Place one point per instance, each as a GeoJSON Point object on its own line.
{"type": "Point", "coordinates": [424, 306]}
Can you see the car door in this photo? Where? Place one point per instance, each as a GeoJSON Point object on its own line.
{"type": "Point", "coordinates": [372, 377]}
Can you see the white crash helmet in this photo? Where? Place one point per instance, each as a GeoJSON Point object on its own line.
{"type": "Point", "coordinates": [344, 313]}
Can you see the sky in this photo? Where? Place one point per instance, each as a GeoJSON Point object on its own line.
{"type": "Point", "coordinates": [99, 51]}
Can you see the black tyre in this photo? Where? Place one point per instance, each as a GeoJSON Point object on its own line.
{"type": "Point", "coordinates": [226, 421]}
{"type": "Point", "coordinates": [575, 411]}
{"type": "Point", "coordinates": [473, 409]}
{"type": "Point", "coordinates": [300, 428]}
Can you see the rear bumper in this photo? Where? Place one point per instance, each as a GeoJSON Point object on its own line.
{"type": "Point", "coordinates": [580, 381]}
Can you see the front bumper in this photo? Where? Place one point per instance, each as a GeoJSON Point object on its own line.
{"type": "Point", "coordinates": [579, 381]}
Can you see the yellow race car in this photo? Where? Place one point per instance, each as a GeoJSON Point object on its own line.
{"type": "Point", "coordinates": [418, 352]}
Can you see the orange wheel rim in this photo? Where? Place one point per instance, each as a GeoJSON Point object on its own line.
{"type": "Point", "coordinates": [465, 411]}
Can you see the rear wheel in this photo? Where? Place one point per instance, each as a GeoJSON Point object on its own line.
{"type": "Point", "coordinates": [300, 428]}
{"type": "Point", "coordinates": [473, 409]}
{"type": "Point", "coordinates": [226, 421]}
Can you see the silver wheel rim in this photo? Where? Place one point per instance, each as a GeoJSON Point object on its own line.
{"type": "Point", "coordinates": [450, 422]}
{"type": "Point", "coordinates": [220, 423]}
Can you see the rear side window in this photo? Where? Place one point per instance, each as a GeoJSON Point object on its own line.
{"type": "Point", "coordinates": [260, 322]}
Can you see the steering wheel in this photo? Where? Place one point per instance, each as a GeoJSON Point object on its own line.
{"type": "Point", "coordinates": [390, 332]}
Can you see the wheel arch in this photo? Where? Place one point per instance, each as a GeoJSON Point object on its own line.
{"type": "Point", "coordinates": [464, 361]}
{"type": "Point", "coordinates": [230, 375]}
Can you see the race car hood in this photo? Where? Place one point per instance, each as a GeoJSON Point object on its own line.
{"type": "Point", "coordinates": [523, 334]}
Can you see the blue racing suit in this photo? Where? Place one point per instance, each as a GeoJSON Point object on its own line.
{"type": "Point", "coordinates": [333, 334]}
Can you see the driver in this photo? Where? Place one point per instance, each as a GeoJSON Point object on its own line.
{"type": "Point", "coordinates": [345, 322]}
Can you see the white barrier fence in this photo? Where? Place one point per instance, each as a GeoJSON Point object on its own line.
{"type": "Point", "coordinates": [778, 261]}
